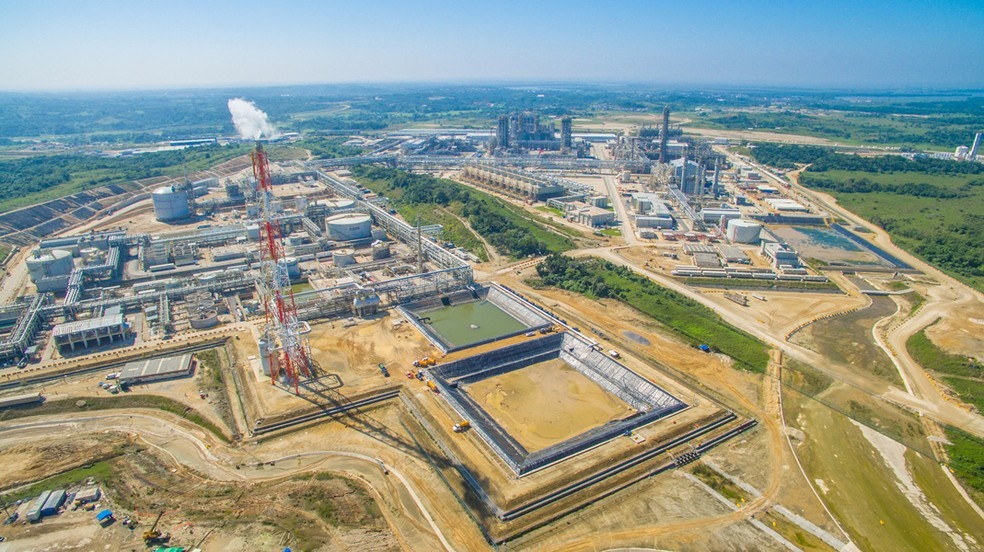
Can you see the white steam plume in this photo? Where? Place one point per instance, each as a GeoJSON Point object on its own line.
{"type": "Point", "coordinates": [251, 123]}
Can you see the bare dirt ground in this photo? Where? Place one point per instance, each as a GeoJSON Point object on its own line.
{"type": "Point", "coordinates": [547, 403]}
{"type": "Point", "coordinates": [760, 136]}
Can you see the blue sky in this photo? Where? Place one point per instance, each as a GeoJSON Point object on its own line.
{"type": "Point", "coordinates": [95, 44]}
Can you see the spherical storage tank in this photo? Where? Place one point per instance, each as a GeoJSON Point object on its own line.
{"type": "Point", "coordinates": [349, 227]}
{"type": "Point", "coordinates": [56, 262]}
{"type": "Point", "coordinates": [170, 203]}
{"type": "Point", "coordinates": [743, 231]}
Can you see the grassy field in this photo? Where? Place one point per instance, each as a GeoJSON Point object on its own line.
{"type": "Point", "coordinates": [967, 461]}
{"type": "Point", "coordinates": [696, 323]}
{"type": "Point", "coordinates": [454, 231]}
{"type": "Point", "coordinates": [965, 377]}
{"type": "Point", "coordinates": [852, 128]}
{"type": "Point", "coordinates": [863, 492]}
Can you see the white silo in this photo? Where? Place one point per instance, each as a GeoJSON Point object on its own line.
{"type": "Point", "coordinates": [349, 227]}
{"type": "Point", "coordinates": [49, 264]}
{"type": "Point", "coordinates": [743, 231]}
{"type": "Point", "coordinates": [170, 203]}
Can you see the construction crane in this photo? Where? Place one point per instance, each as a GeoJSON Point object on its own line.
{"type": "Point", "coordinates": [152, 535]}
{"type": "Point", "coordinates": [288, 350]}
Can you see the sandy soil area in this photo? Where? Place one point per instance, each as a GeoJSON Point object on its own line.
{"type": "Point", "coordinates": [547, 403]}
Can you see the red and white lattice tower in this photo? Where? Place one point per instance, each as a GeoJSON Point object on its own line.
{"type": "Point", "coordinates": [289, 353]}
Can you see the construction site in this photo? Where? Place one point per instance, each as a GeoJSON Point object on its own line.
{"type": "Point", "coordinates": [276, 329]}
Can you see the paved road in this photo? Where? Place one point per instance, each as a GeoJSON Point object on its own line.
{"type": "Point", "coordinates": [628, 234]}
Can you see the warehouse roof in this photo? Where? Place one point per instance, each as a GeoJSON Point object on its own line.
{"type": "Point", "coordinates": [156, 367]}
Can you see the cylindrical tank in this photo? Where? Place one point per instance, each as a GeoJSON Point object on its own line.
{"type": "Point", "coordinates": [743, 231]}
{"type": "Point", "coordinates": [337, 204]}
{"type": "Point", "coordinates": [265, 359]}
{"type": "Point", "coordinates": [170, 203]}
{"type": "Point", "coordinates": [343, 257]}
{"type": "Point", "coordinates": [205, 320]}
{"type": "Point", "coordinates": [55, 262]}
{"type": "Point", "coordinates": [380, 250]}
{"type": "Point", "coordinates": [293, 266]}
{"type": "Point", "coordinates": [349, 227]}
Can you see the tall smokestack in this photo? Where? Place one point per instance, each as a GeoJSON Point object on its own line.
{"type": "Point", "coordinates": [664, 135]}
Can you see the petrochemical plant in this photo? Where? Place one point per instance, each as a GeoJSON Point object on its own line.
{"type": "Point", "coordinates": [305, 267]}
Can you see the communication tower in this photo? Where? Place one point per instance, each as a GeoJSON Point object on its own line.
{"type": "Point", "coordinates": [288, 350]}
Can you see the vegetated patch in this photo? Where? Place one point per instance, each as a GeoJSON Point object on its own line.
{"type": "Point", "coordinates": [33, 180]}
{"type": "Point", "coordinates": [124, 401]}
{"type": "Point", "coordinates": [328, 147]}
{"type": "Point", "coordinates": [961, 374]}
{"type": "Point", "coordinates": [933, 208]}
{"type": "Point", "coordinates": [597, 278]}
{"type": "Point", "coordinates": [745, 283]}
{"type": "Point", "coordinates": [509, 229]}
{"type": "Point", "coordinates": [101, 472]}
{"type": "Point", "coordinates": [966, 454]}
{"type": "Point", "coordinates": [718, 482]}
{"type": "Point", "coordinates": [804, 378]}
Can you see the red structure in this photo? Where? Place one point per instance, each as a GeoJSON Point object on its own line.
{"type": "Point", "coordinates": [289, 354]}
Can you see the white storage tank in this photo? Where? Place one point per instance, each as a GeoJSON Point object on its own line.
{"type": "Point", "coordinates": [50, 263]}
{"type": "Point", "coordinates": [743, 231]}
{"type": "Point", "coordinates": [343, 257]}
{"type": "Point", "coordinates": [337, 204]}
{"type": "Point", "coordinates": [170, 203]}
{"type": "Point", "coordinates": [349, 227]}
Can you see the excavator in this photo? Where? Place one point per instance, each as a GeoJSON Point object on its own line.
{"type": "Point", "coordinates": [152, 535]}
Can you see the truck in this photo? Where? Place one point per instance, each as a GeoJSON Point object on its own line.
{"type": "Point", "coordinates": [461, 426]}
{"type": "Point", "coordinates": [382, 368]}
{"type": "Point", "coordinates": [704, 347]}
{"type": "Point", "coordinates": [614, 354]}
{"type": "Point", "coordinates": [432, 386]}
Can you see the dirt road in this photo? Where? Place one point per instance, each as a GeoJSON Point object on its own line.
{"type": "Point", "coordinates": [196, 450]}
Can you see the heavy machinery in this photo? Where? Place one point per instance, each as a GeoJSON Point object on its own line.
{"type": "Point", "coordinates": [424, 362]}
{"type": "Point", "coordinates": [152, 535]}
{"type": "Point", "coordinates": [461, 426]}
{"type": "Point", "coordinates": [432, 386]}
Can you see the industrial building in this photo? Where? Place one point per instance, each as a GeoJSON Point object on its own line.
{"type": "Point", "coordinates": [157, 369]}
{"type": "Point", "coordinates": [590, 215]}
{"type": "Point", "coordinates": [524, 130]}
{"type": "Point", "coordinates": [93, 332]}
{"type": "Point", "coordinates": [780, 254]}
{"type": "Point", "coordinates": [513, 182]}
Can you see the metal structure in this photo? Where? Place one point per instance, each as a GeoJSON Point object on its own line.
{"type": "Point", "coordinates": [283, 329]}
